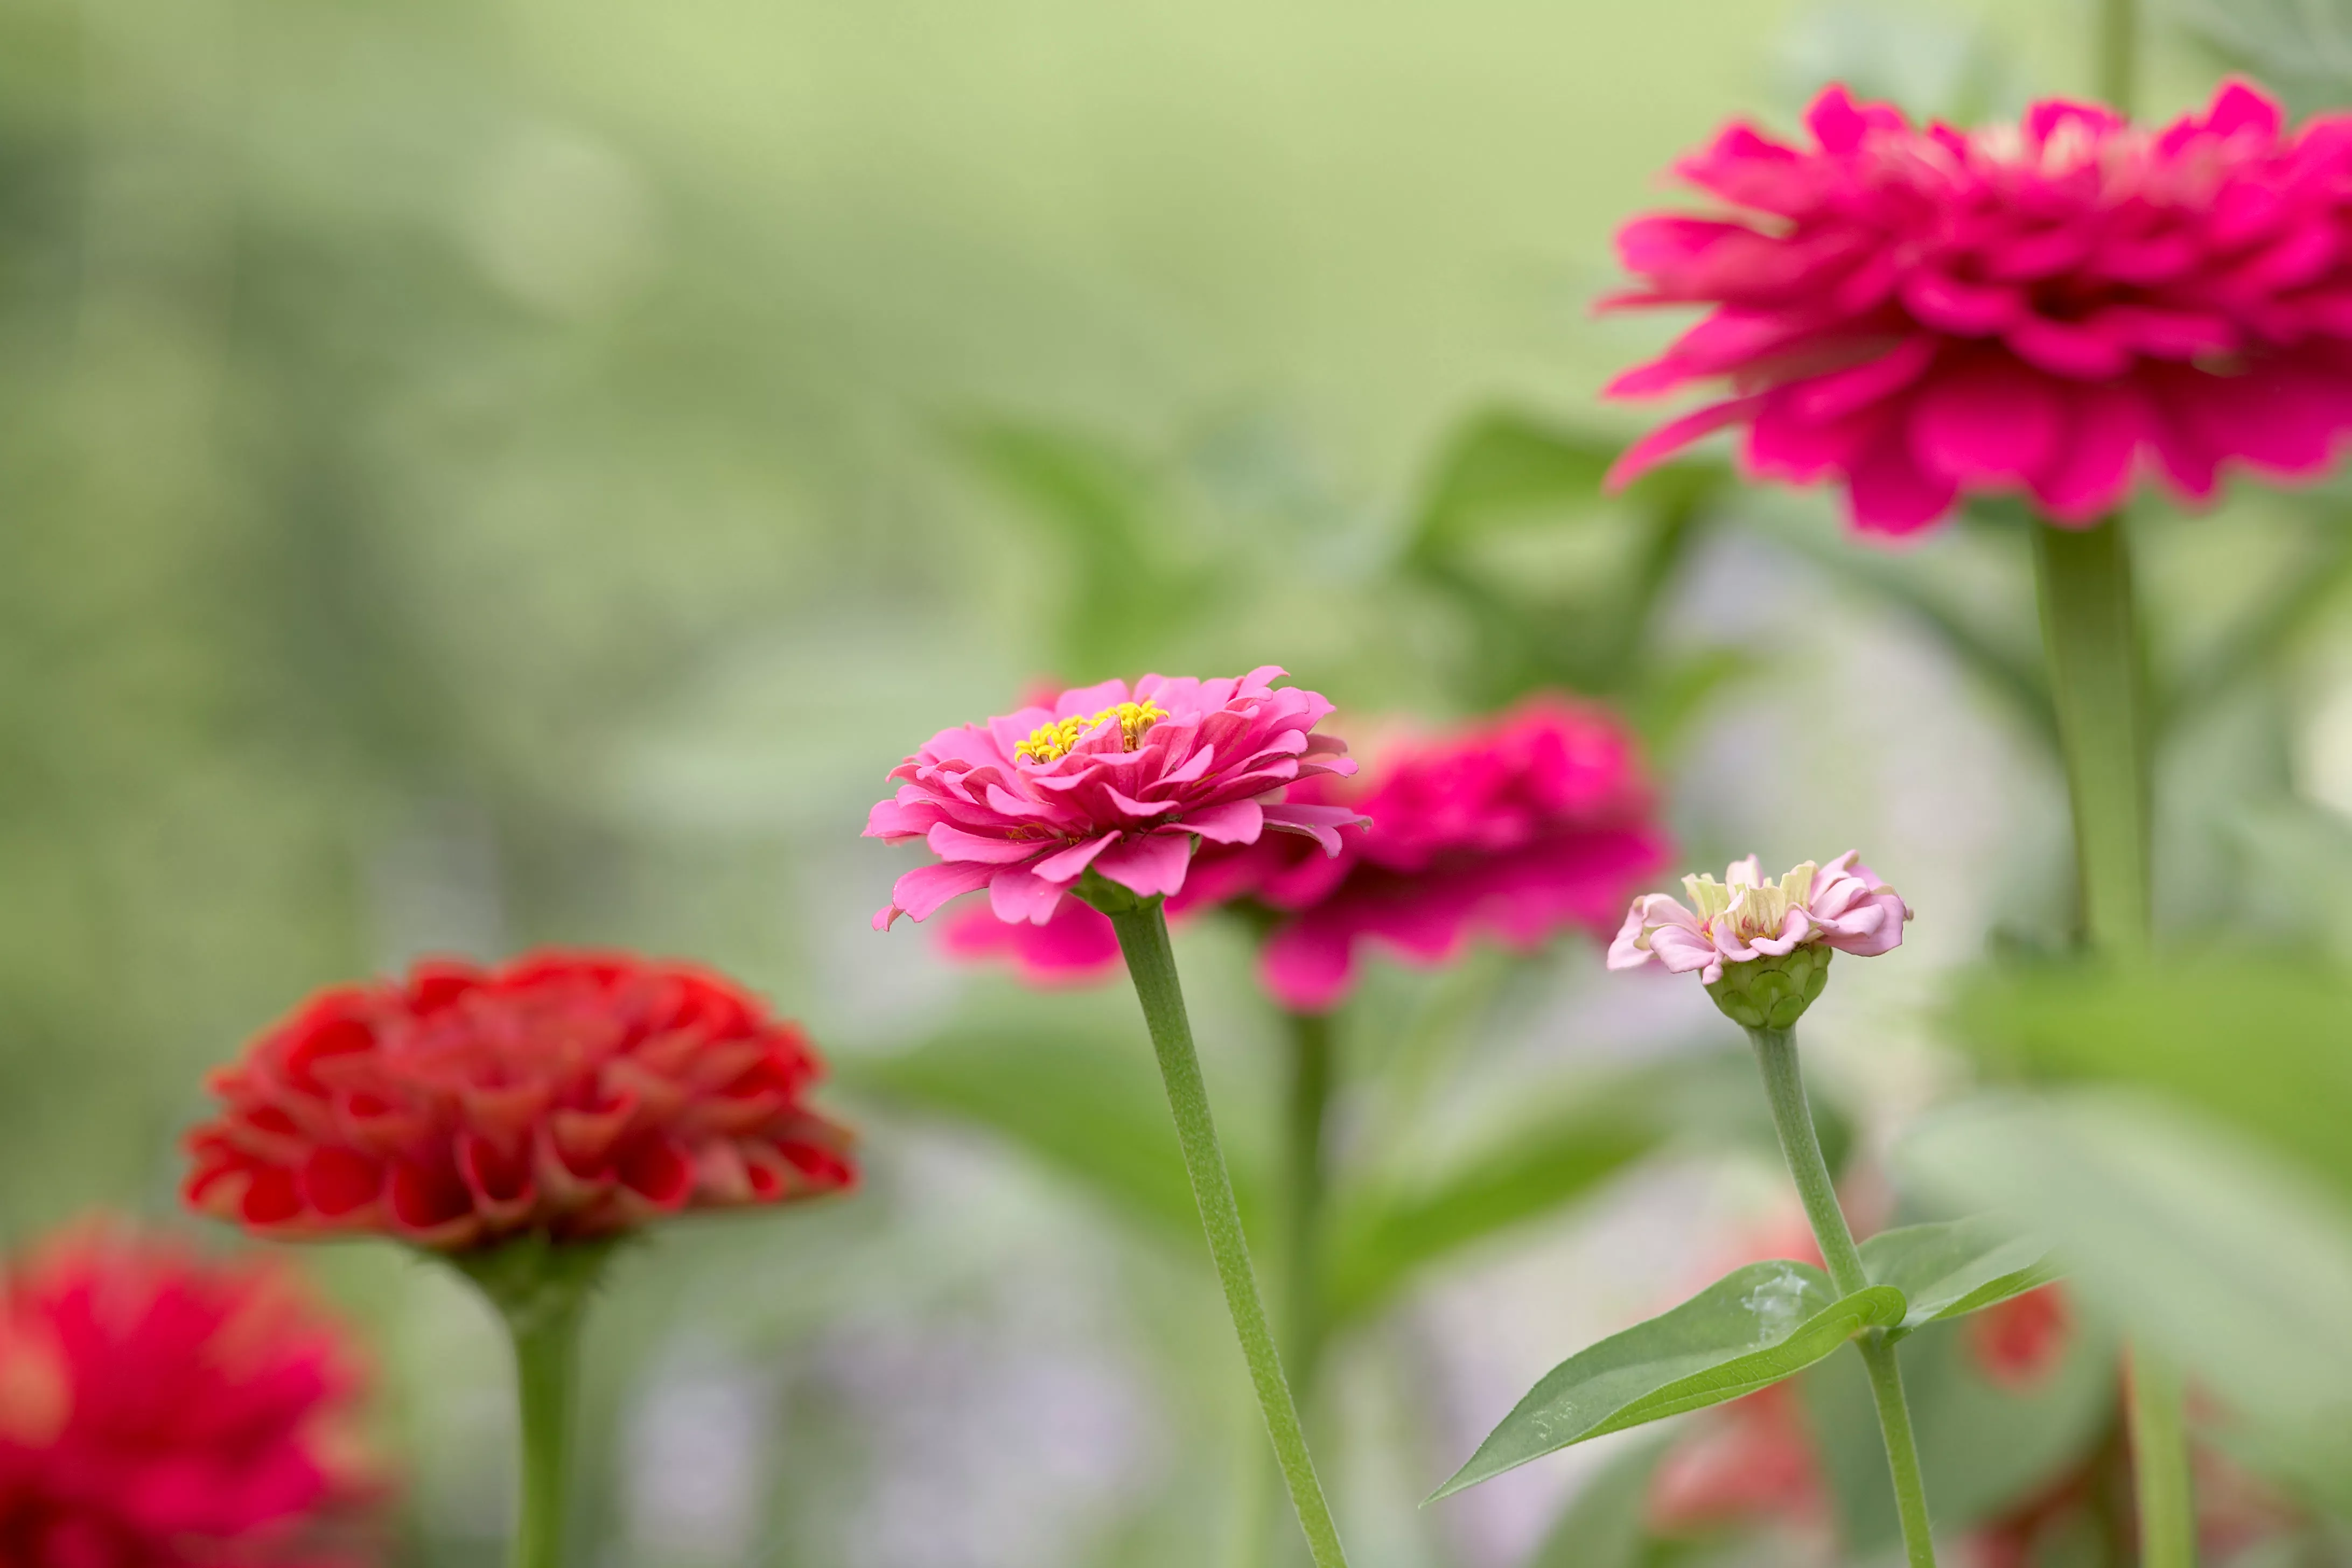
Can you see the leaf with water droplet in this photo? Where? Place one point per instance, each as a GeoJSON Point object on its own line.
{"type": "Point", "coordinates": [1750, 1328]}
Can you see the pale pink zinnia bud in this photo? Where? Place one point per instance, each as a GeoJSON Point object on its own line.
{"type": "Point", "coordinates": [2049, 308]}
{"type": "Point", "coordinates": [1777, 936]}
{"type": "Point", "coordinates": [1121, 783]}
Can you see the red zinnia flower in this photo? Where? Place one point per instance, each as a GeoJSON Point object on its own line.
{"type": "Point", "coordinates": [565, 1093]}
{"type": "Point", "coordinates": [159, 1411]}
{"type": "Point", "coordinates": [2045, 308]}
{"type": "Point", "coordinates": [1516, 827]}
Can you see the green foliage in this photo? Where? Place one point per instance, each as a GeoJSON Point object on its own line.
{"type": "Point", "coordinates": [1986, 1445]}
{"type": "Point", "coordinates": [2234, 1265]}
{"type": "Point", "coordinates": [1747, 1330]}
{"type": "Point", "coordinates": [1604, 1523]}
{"type": "Point", "coordinates": [1955, 1267]}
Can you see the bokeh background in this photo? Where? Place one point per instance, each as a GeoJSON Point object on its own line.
{"type": "Point", "coordinates": [478, 474]}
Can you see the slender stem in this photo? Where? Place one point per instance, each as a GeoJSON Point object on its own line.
{"type": "Point", "coordinates": [2117, 65]}
{"type": "Point", "coordinates": [2160, 1475]}
{"type": "Point", "coordinates": [546, 1376]}
{"type": "Point", "coordinates": [1303, 1190]}
{"type": "Point", "coordinates": [2090, 628]}
{"type": "Point", "coordinates": [2090, 625]}
{"type": "Point", "coordinates": [1143, 938]}
{"type": "Point", "coordinates": [1801, 1145]}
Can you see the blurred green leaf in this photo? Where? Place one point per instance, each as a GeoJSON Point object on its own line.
{"type": "Point", "coordinates": [1499, 466]}
{"type": "Point", "coordinates": [2302, 590]}
{"type": "Point", "coordinates": [1116, 522]}
{"type": "Point", "coordinates": [1953, 1268]}
{"type": "Point", "coordinates": [2256, 1041]}
{"type": "Point", "coordinates": [2198, 1241]}
{"type": "Point", "coordinates": [1748, 1329]}
{"type": "Point", "coordinates": [1986, 1445]}
{"type": "Point", "coordinates": [2302, 49]}
{"type": "Point", "coordinates": [1379, 1237]}
{"type": "Point", "coordinates": [1085, 1106]}
{"type": "Point", "coordinates": [1604, 1523]}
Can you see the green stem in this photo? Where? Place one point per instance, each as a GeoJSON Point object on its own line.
{"type": "Point", "coordinates": [1143, 938]}
{"type": "Point", "coordinates": [2160, 1451]}
{"type": "Point", "coordinates": [1303, 1190]}
{"type": "Point", "coordinates": [546, 1375]}
{"type": "Point", "coordinates": [2116, 64]}
{"type": "Point", "coordinates": [1801, 1145]}
{"type": "Point", "coordinates": [542, 1290]}
{"type": "Point", "coordinates": [2098, 684]}
{"type": "Point", "coordinates": [2090, 628]}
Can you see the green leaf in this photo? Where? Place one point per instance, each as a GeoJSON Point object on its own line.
{"type": "Point", "coordinates": [2201, 1243]}
{"type": "Point", "coordinates": [1954, 1268]}
{"type": "Point", "coordinates": [1088, 1106]}
{"type": "Point", "coordinates": [1748, 1329]}
{"type": "Point", "coordinates": [1500, 465]}
{"type": "Point", "coordinates": [1604, 1524]}
{"type": "Point", "coordinates": [1382, 1235]}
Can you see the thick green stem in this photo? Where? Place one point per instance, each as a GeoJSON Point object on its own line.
{"type": "Point", "coordinates": [2160, 1451]}
{"type": "Point", "coordinates": [1801, 1145]}
{"type": "Point", "coordinates": [2090, 628]}
{"type": "Point", "coordinates": [547, 1358]}
{"type": "Point", "coordinates": [1303, 1188]}
{"type": "Point", "coordinates": [2098, 685]}
{"type": "Point", "coordinates": [1152, 963]}
{"type": "Point", "coordinates": [542, 1290]}
{"type": "Point", "coordinates": [2115, 65]}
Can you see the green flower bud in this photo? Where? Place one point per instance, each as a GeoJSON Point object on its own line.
{"type": "Point", "coordinates": [1770, 993]}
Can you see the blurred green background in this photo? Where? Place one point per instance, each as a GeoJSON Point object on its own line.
{"type": "Point", "coordinates": [484, 474]}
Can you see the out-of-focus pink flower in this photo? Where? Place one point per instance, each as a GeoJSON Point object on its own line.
{"type": "Point", "coordinates": [1747, 1462]}
{"type": "Point", "coordinates": [2043, 308]}
{"type": "Point", "coordinates": [1122, 783]}
{"type": "Point", "coordinates": [1742, 918]}
{"type": "Point", "coordinates": [159, 1411]}
{"type": "Point", "coordinates": [1514, 828]}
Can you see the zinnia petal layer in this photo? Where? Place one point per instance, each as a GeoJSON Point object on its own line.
{"type": "Point", "coordinates": [2050, 309]}
{"type": "Point", "coordinates": [573, 1094]}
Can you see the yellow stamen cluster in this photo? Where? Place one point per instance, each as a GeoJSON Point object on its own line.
{"type": "Point", "coordinates": [1047, 743]}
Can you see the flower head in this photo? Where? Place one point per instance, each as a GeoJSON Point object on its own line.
{"type": "Point", "coordinates": [1516, 827]}
{"type": "Point", "coordinates": [159, 1411]}
{"type": "Point", "coordinates": [1122, 783]}
{"type": "Point", "coordinates": [2044, 307]}
{"type": "Point", "coordinates": [569, 1094]}
{"type": "Point", "coordinates": [1763, 946]}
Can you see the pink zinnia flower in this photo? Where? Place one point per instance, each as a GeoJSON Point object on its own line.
{"type": "Point", "coordinates": [1743, 918]}
{"type": "Point", "coordinates": [1122, 783]}
{"type": "Point", "coordinates": [2044, 307]}
{"type": "Point", "coordinates": [1517, 827]}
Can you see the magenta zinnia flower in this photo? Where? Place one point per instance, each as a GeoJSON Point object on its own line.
{"type": "Point", "coordinates": [1119, 782]}
{"type": "Point", "coordinates": [1516, 828]}
{"type": "Point", "coordinates": [2046, 308]}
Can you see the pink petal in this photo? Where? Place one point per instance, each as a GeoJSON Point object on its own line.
{"type": "Point", "coordinates": [926, 888]}
{"type": "Point", "coordinates": [1146, 864]}
{"type": "Point", "coordinates": [1023, 895]}
{"type": "Point", "coordinates": [1069, 865]}
{"type": "Point", "coordinates": [2091, 471]}
{"type": "Point", "coordinates": [954, 843]}
{"type": "Point", "coordinates": [1987, 418]}
{"type": "Point", "coordinates": [1667, 439]}
{"type": "Point", "coordinates": [1236, 822]}
{"type": "Point", "coordinates": [1320, 823]}
{"type": "Point", "coordinates": [1886, 492]}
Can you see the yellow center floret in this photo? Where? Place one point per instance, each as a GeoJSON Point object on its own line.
{"type": "Point", "coordinates": [1047, 743]}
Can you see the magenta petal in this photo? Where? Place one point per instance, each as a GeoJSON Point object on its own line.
{"type": "Point", "coordinates": [1989, 418]}
{"type": "Point", "coordinates": [2091, 471]}
{"type": "Point", "coordinates": [1320, 823]}
{"type": "Point", "coordinates": [1669, 438]}
{"type": "Point", "coordinates": [1147, 864]}
{"type": "Point", "coordinates": [954, 843]}
{"type": "Point", "coordinates": [1069, 864]}
{"type": "Point", "coordinates": [1887, 492]}
{"type": "Point", "coordinates": [926, 888]}
{"type": "Point", "coordinates": [1308, 970]}
{"type": "Point", "coordinates": [1236, 822]}
{"type": "Point", "coordinates": [1076, 946]}
{"type": "Point", "coordinates": [1023, 895]}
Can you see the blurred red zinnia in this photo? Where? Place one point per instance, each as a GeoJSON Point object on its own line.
{"type": "Point", "coordinates": [2043, 308]}
{"type": "Point", "coordinates": [159, 1411]}
{"type": "Point", "coordinates": [1517, 826]}
{"type": "Point", "coordinates": [571, 1094]}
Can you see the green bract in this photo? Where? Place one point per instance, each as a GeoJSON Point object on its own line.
{"type": "Point", "coordinates": [1770, 993]}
